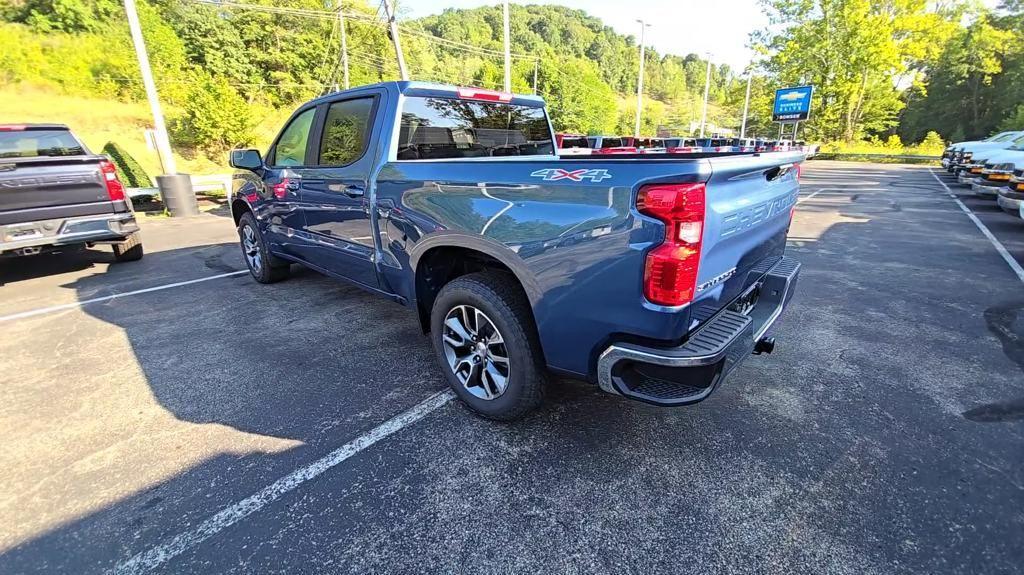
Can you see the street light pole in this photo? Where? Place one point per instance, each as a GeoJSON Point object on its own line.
{"type": "Point", "coordinates": [508, 49]}
{"type": "Point", "coordinates": [640, 80]}
{"type": "Point", "coordinates": [707, 87]}
{"type": "Point", "coordinates": [746, 106]}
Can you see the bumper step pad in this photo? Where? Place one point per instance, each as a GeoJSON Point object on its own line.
{"type": "Point", "coordinates": [691, 372]}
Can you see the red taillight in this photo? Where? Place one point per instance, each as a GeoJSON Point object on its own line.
{"type": "Point", "coordinates": [798, 171]}
{"type": "Point", "coordinates": [280, 189]}
{"type": "Point", "coordinates": [481, 94]}
{"type": "Point", "coordinates": [115, 189]}
{"type": "Point", "coordinates": [12, 127]}
{"type": "Point", "coordinates": [670, 272]}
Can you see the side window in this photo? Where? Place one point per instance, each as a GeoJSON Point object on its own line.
{"type": "Point", "coordinates": [291, 146]}
{"type": "Point", "coordinates": [346, 132]}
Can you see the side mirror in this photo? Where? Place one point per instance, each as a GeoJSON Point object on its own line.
{"type": "Point", "coordinates": [246, 159]}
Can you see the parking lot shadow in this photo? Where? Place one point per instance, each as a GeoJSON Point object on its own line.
{"type": "Point", "coordinates": [70, 259]}
{"type": "Point", "coordinates": [191, 399]}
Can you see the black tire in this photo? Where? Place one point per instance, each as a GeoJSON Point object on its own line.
{"type": "Point", "coordinates": [499, 297]}
{"type": "Point", "coordinates": [130, 250]}
{"type": "Point", "coordinates": [263, 266]}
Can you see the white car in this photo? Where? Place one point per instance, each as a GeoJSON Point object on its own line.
{"type": "Point", "coordinates": [988, 174]}
{"type": "Point", "coordinates": [960, 152]}
{"type": "Point", "coordinates": [969, 156]}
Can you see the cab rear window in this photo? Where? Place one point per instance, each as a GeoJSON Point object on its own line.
{"type": "Point", "coordinates": [442, 128]}
{"type": "Point", "coordinates": [36, 143]}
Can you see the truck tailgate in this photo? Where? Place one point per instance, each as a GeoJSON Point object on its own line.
{"type": "Point", "coordinates": [749, 204]}
{"type": "Point", "coordinates": [42, 184]}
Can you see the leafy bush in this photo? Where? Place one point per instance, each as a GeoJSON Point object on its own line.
{"type": "Point", "coordinates": [130, 172]}
{"type": "Point", "coordinates": [214, 117]}
{"type": "Point", "coordinates": [931, 145]}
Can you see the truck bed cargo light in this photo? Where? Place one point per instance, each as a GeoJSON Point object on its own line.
{"type": "Point", "coordinates": [481, 94]}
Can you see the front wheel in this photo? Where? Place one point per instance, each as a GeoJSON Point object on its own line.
{"type": "Point", "coordinates": [484, 337]}
{"type": "Point", "coordinates": [263, 266]}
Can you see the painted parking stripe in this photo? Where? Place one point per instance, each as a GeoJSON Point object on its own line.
{"type": "Point", "coordinates": [153, 558]}
{"type": "Point", "coordinates": [72, 305]}
{"type": "Point", "coordinates": [1010, 261]}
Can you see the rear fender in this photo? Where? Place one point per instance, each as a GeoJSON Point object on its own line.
{"type": "Point", "coordinates": [482, 244]}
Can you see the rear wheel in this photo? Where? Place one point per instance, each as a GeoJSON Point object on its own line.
{"type": "Point", "coordinates": [485, 340]}
{"type": "Point", "coordinates": [264, 267]}
{"type": "Point", "coordinates": [130, 249]}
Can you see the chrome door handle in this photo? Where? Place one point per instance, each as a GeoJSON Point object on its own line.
{"type": "Point", "coordinates": [354, 191]}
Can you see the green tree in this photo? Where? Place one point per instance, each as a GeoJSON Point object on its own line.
{"type": "Point", "coordinates": [214, 117]}
{"type": "Point", "coordinates": [854, 52]}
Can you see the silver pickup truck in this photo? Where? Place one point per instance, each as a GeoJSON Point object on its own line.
{"type": "Point", "coordinates": [54, 192]}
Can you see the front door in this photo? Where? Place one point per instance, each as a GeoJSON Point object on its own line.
{"type": "Point", "coordinates": [335, 194]}
{"type": "Point", "coordinates": [286, 162]}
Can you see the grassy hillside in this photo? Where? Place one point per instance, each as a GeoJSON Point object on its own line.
{"type": "Point", "coordinates": [101, 120]}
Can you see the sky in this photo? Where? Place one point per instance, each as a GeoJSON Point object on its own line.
{"type": "Point", "coordinates": [681, 27]}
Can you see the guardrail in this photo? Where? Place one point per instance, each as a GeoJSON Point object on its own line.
{"type": "Point", "coordinates": [882, 157]}
{"type": "Point", "coordinates": [212, 183]}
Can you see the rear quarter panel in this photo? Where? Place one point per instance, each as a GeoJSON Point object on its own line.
{"type": "Point", "coordinates": [577, 247]}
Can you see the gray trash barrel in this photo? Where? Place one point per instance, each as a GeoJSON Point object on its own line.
{"type": "Point", "coordinates": [177, 194]}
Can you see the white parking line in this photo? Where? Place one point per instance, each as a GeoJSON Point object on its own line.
{"type": "Point", "coordinates": [811, 195]}
{"type": "Point", "coordinates": [234, 513]}
{"type": "Point", "coordinates": [72, 305]}
{"type": "Point", "coordinates": [1010, 261]}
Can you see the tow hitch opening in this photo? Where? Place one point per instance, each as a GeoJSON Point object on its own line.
{"type": "Point", "coordinates": [764, 345]}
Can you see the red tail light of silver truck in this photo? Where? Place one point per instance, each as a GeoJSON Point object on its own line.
{"type": "Point", "coordinates": [670, 272]}
{"type": "Point", "coordinates": [115, 189]}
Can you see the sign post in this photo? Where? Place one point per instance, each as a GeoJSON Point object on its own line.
{"type": "Point", "coordinates": [792, 106]}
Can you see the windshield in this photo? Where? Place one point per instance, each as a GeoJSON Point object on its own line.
{"type": "Point", "coordinates": [442, 128]}
{"type": "Point", "coordinates": [1005, 136]}
{"type": "Point", "coordinates": [36, 143]}
{"type": "Point", "coordinates": [1018, 144]}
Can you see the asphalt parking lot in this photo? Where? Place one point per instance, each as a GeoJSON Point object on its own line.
{"type": "Point", "coordinates": [224, 426]}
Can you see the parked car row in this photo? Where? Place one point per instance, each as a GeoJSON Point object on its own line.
{"type": "Point", "coordinates": [993, 168]}
{"type": "Point", "coordinates": [576, 145]}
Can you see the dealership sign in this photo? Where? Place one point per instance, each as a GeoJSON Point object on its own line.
{"type": "Point", "coordinates": [792, 104]}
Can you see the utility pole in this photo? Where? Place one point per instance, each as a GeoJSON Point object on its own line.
{"type": "Point", "coordinates": [707, 87]}
{"type": "Point", "coordinates": [163, 144]}
{"type": "Point", "coordinates": [640, 80]}
{"type": "Point", "coordinates": [344, 46]}
{"type": "Point", "coordinates": [508, 49]}
{"type": "Point", "coordinates": [746, 106]}
{"type": "Point", "coordinates": [536, 64]}
{"type": "Point", "coordinates": [175, 189]}
{"type": "Point", "coordinates": [389, 9]}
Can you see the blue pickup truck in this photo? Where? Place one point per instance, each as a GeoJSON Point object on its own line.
{"type": "Point", "coordinates": [649, 275]}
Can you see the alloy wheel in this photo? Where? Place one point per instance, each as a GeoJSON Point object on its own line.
{"type": "Point", "coordinates": [251, 248]}
{"type": "Point", "coordinates": [476, 352]}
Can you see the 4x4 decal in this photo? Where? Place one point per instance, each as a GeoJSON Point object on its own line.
{"type": "Point", "coordinates": [555, 174]}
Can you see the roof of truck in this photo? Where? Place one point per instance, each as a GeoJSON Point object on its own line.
{"type": "Point", "coordinates": [19, 127]}
{"type": "Point", "coordinates": [416, 88]}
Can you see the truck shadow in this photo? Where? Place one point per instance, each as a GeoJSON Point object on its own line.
{"type": "Point", "coordinates": [71, 259]}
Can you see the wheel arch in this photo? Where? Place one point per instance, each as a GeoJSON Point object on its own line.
{"type": "Point", "coordinates": [442, 258]}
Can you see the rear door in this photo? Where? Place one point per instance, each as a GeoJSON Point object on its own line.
{"type": "Point", "coordinates": [335, 191]}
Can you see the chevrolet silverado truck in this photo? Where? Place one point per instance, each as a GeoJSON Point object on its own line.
{"type": "Point", "coordinates": [55, 193]}
{"type": "Point", "coordinates": [650, 275]}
